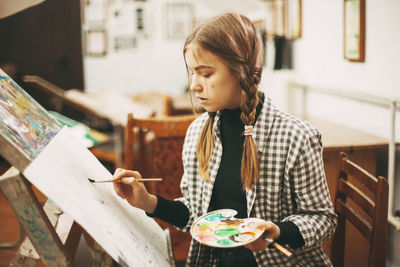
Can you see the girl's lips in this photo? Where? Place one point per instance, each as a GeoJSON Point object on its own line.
{"type": "Point", "coordinates": [202, 100]}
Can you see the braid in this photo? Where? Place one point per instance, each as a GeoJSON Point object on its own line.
{"type": "Point", "coordinates": [250, 164]}
{"type": "Point", "coordinates": [249, 96]}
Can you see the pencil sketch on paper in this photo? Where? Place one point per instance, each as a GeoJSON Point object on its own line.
{"type": "Point", "coordinates": [24, 123]}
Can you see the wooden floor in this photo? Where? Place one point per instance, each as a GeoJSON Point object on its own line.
{"type": "Point", "coordinates": [9, 231]}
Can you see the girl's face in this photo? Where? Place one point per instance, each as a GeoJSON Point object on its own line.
{"type": "Point", "coordinates": [214, 84]}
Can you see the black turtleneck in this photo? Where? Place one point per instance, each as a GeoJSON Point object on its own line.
{"type": "Point", "coordinates": [227, 190]}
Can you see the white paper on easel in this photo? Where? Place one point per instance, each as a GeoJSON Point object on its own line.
{"type": "Point", "coordinates": [61, 172]}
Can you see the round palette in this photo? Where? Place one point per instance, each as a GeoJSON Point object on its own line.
{"type": "Point", "coordinates": [220, 229]}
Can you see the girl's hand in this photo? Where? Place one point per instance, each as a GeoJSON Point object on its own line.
{"type": "Point", "coordinates": [271, 231]}
{"type": "Point", "coordinates": [126, 186]}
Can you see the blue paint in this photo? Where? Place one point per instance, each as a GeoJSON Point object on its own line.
{"type": "Point", "coordinates": [213, 218]}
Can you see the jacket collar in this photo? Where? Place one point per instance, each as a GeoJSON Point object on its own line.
{"type": "Point", "coordinates": [263, 125]}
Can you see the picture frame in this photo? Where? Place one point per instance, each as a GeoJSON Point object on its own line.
{"type": "Point", "coordinates": [354, 30]}
{"type": "Point", "coordinates": [269, 20]}
{"type": "Point", "coordinates": [179, 20]}
{"type": "Point", "coordinates": [96, 42]}
{"type": "Point", "coordinates": [278, 17]}
{"type": "Point", "coordinates": [94, 12]}
{"type": "Point", "coordinates": [293, 19]}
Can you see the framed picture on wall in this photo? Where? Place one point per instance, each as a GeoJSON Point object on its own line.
{"type": "Point", "coordinates": [278, 20]}
{"type": "Point", "coordinates": [269, 20]}
{"type": "Point", "coordinates": [179, 20]}
{"type": "Point", "coordinates": [293, 19]}
{"type": "Point", "coordinates": [354, 30]}
{"type": "Point", "coordinates": [96, 43]}
{"type": "Point", "coordinates": [94, 12]}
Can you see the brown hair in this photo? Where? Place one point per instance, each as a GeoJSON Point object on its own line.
{"type": "Point", "coordinates": [234, 39]}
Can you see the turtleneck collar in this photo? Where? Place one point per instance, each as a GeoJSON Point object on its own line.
{"type": "Point", "coordinates": [233, 115]}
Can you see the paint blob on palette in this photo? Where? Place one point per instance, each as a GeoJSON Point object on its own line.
{"type": "Point", "coordinates": [221, 229]}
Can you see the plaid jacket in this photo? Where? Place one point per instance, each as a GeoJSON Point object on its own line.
{"type": "Point", "coordinates": [291, 186]}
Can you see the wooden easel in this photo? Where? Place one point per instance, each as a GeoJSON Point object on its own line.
{"type": "Point", "coordinates": [52, 235]}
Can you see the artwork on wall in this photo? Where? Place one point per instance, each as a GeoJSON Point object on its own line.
{"type": "Point", "coordinates": [179, 20]}
{"type": "Point", "coordinates": [278, 14]}
{"type": "Point", "coordinates": [354, 30]}
{"type": "Point", "coordinates": [269, 20]}
{"type": "Point", "coordinates": [283, 18]}
{"type": "Point", "coordinates": [129, 25]}
{"type": "Point", "coordinates": [23, 122]}
{"type": "Point", "coordinates": [94, 11]}
{"type": "Point", "coordinates": [293, 19]}
{"type": "Point", "coordinates": [96, 43]}
{"type": "Point", "coordinates": [125, 43]}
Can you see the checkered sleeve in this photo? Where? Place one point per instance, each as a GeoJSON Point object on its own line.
{"type": "Point", "coordinates": [314, 215]}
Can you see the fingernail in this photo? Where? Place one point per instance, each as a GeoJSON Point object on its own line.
{"type": "Point", "coordinates": [127, 180]}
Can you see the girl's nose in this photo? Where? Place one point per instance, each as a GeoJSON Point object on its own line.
{"type": "Point", "coordinates": [195, 84]}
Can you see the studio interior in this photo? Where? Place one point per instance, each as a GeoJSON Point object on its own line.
{"type": "Point", "coordinates": [113, 72]}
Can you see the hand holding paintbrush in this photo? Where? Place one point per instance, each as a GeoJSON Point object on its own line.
{"type": "Point", "coordinates": [129, 185]}
{"type": "Point", "coordinates": [271, 233]}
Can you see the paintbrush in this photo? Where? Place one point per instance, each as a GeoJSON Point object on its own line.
{"type": "Point", "coordinates": [119, 181]}
{"type": "Point", "coordinates": [279, 247]}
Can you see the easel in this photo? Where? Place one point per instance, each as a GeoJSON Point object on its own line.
{"type": "Point", "coordinates": [52, 236]}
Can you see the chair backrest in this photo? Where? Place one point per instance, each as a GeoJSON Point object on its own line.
{"type": "Point", "coordinates": [362, 200]}
{"type": "Point", "coordinates": [153, 146]}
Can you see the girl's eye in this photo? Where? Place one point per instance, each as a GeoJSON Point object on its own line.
{"type": "Point", "coordinates": [207, 75]}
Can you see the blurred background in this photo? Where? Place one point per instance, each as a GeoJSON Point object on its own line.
{"type": "Point", "coordinates": [336, 60]}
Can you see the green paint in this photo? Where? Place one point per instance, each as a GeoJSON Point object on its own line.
{"type": "Point", "coordinates": [202, 225]}
{"type": "Point", "coordinates": [226, 232]}
{"type": "Point", "coordinates": [225, 242]}
{"type": "Point", "coordinates": [49, 257]}
{"type": "Point", "coordinates": [32, 219]}
{"type": "Point", "coordinates": [19, 185]}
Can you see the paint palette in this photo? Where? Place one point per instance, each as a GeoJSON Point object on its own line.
{"type": "Point", "coordinates": [221, 229]}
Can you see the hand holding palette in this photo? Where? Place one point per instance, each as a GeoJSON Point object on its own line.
{"type": "Point", "coordinates": [221, 229]}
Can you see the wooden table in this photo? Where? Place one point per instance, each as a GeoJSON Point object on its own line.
{"type": "Point", "coordinates": [368, 151]}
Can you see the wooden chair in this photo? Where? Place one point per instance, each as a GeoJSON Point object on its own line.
{"type": "Point", "coordinates": [362, 200]}
{"type": "Point", "coordinates": [153, 146]}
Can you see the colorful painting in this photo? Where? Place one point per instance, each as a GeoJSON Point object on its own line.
{"type": "Point", "coordinates": [220, 229]}
{"type": "Point", "coordinates": [24, 123]}
{"type": "Point", "coordinates": [354, 30]}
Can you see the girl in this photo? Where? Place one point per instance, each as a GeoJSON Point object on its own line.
{"type": "Point", "coordinates": [243, 154]}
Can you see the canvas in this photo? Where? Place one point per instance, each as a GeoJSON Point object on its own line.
{"type": "Point", "coordinates": [24, 123]}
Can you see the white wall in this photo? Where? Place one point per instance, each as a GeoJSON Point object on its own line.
{"type": "Point", "coordinates": [157, 62]}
